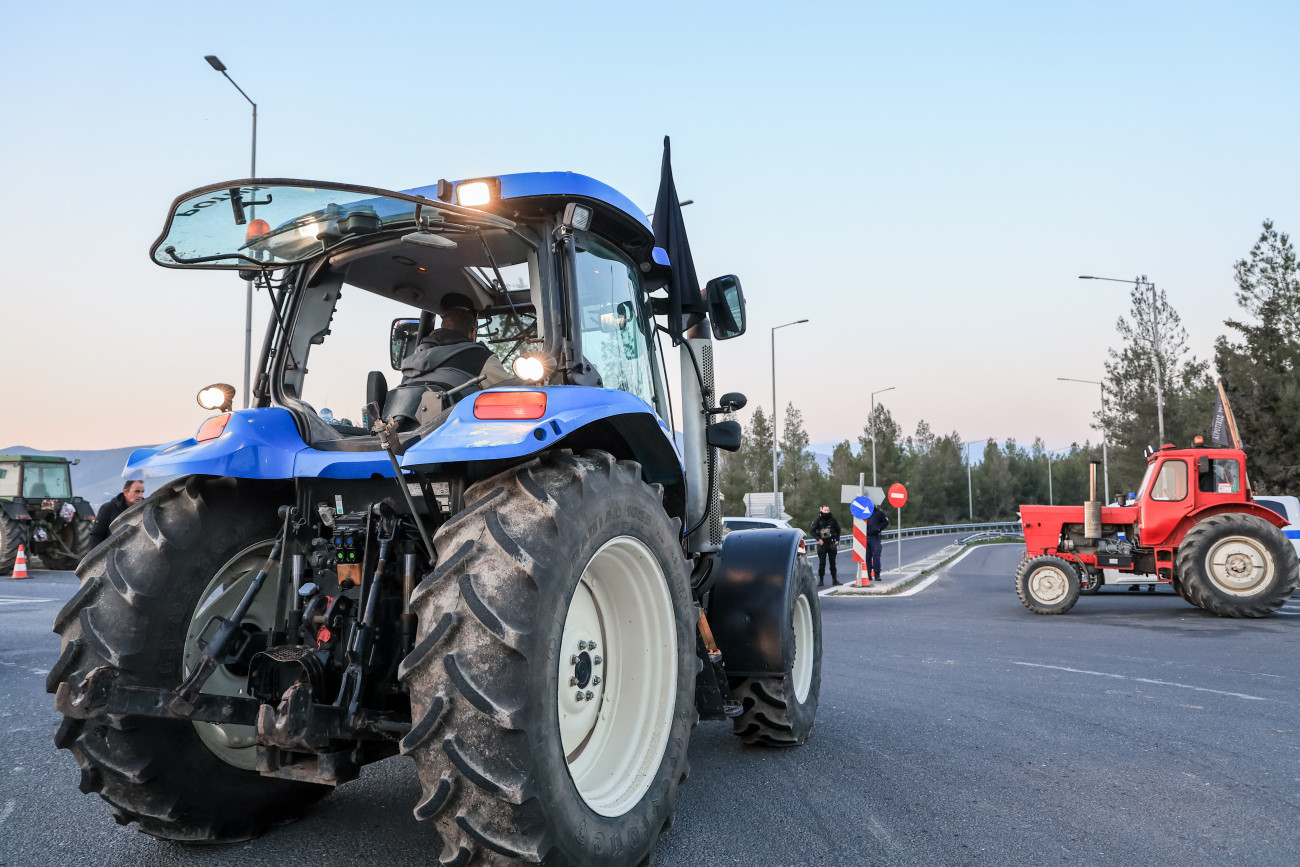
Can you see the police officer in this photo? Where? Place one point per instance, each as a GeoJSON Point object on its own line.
{"type": "Point", "coordinates": [826, 530]}
{"type": "Point", "coordinates": [875, 526]}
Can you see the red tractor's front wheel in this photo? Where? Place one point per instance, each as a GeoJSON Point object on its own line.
{"type": "Point", "coordinates": [1047, 584]}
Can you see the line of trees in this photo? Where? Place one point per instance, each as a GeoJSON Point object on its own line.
{"type": "Point", "coordinates": [1258, 361]}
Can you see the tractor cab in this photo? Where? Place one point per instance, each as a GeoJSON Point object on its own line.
{"type": "Point", "coordinates": [39, 512]}
{"type": "Point", "coordinates": [1182, 483]}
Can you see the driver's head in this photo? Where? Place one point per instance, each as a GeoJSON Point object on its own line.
{"type": "Point", "coordinates": [462, 320]}
{"type": "Point", "coordinates": [133, 492]}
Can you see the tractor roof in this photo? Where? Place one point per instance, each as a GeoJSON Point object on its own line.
{"type": "Point", "coordinates": [529, 184]}
{"type": "Point", "coordinates": [54, 459]}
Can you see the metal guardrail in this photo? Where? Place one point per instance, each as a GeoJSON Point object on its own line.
{"type": "Point", "coordinates": [996, 527]}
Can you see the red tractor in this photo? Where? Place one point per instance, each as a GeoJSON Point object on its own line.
{"type": "Point", "coordinates": [1194, 526]}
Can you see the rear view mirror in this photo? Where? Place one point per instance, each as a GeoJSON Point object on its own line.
{"type": "Point", "coordinates": [401, 340]}
{"type": "Point", "coordinates": [726, 307]}
{"type": "Point", "coordinates": [1202, 465]}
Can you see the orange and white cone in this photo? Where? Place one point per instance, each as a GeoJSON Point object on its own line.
{"type": "Point", "coordinates": [20, 564]}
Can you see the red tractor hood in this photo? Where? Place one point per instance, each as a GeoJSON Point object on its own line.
{"type": "Point", "coordinates": [1042, 524]}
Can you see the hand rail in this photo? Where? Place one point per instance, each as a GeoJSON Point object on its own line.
{"type": "Point", "coordinates": [1009, 527]}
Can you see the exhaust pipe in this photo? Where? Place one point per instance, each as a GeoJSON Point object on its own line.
{"type": "Point", "coordinates": [1092, 508]}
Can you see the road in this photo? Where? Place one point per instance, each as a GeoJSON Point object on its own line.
{"type": "Point", "coordinates": [914, 549]}
{"type": "Point", "coordinates": [955, 728]}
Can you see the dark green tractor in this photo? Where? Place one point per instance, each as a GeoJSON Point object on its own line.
{"type": "Point", "coordinates": [38, 511]}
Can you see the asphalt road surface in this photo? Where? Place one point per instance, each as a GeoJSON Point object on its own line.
{"type": "Point", "coordinates": [955, 728]}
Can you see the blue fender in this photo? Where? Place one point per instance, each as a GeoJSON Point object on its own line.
{"type": "Point", "coordinates": [256, 444]}
{"type": "Point", "coordinates": [569, 410]}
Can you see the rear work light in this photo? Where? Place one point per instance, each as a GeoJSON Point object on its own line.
{"type": "Point", "coordinates": [212, 428]}
{"type": "Point", "coordinates": [510, 404]}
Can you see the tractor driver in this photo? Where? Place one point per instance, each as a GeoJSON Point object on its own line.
{"type": "Point", "coordinates": [449, 356]}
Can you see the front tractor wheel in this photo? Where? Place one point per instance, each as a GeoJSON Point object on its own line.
{"type": "Point", "coordinates": [1236, 565]}
{"type": "Point", "coordinates": [1047, 584]}
{"type": "Point", "coordinates": [780, 711]}
{"type": "Point", "coordinates": [171, 563]}
{"type": "Point", "coordinates": [553, 679]}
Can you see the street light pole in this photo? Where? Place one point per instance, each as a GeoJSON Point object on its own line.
{"type": "Point", "coordinates": [776, 496]}
{"type": "Point", "coordinates": [1155, 345]}
{"type": "Point", "coordinates": [970, 487]}
{"type": "Point", "coordinates": [873, 431]}
{"type": "Point", "coordinates": [252, 173]}
{"type": "Point", "coordinates": [1105, 469]}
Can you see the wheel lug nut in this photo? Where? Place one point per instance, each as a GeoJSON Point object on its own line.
{"type": "Point", "coordinates": [591, 645]}
{"type": "Point", "coordinates": [590, 695]}
{"type": "Point", "coordinates": [573, 681]}
{"type": "Point", "coordinates": [573, 659]}
{"type": "Point", "coordinates": [596, 680]}
{"type": "Point", "coordinates": [598, 660]}
{"type": "Point", "coordinates": [582, 645]}
{"type": "Point", "coordinates": [579, 696]}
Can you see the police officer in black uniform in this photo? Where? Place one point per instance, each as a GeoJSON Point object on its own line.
{"type": "Point", "coordinates": [826, 530]}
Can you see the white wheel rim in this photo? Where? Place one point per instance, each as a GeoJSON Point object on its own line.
{"type": "Point", "coordinates": [614, 741]}
{"type": "Point", "coordinates": [1048, 585]}
{"type": "Point", "coordinates": [802, 667]}
{"type": "Point", "coordinates": [1240, 566]}
{"type": "Point", "coordinates": [234, 744]}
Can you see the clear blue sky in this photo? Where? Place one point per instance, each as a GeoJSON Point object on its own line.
{"type": "Point", "coordinates": [923, 181]}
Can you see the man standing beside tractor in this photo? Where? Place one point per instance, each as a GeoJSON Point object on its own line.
{"type": "Point", "coordinates": [132, 493]}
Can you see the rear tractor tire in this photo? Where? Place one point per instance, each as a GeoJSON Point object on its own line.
{"type": "Point", "coordinates": [1047, 584]}
{"type": "Point", "coordinates": [553, 679]}
{"type": "Point", "coordinates": [12, 534]}
{"type": "Point", "coordinates": [1236, 565]}
{"type": "Point", "coordinates": [171, 562]}
{"type": "Point", "coordinates": [1090, 583]}
{"type": "Point", "coordinates": [780, 711]}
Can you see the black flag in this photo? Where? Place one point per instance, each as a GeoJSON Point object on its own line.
{"type": "Point", "coordinates": [1219, 432]}
{"type": "Point", "coordinates": [684, 296]}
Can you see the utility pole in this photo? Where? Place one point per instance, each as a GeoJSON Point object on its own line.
{"type": "Point", "coordinates": [1155, 344]}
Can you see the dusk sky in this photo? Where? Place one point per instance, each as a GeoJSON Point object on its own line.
{"type": "Point", "coordinates": [923, 181]}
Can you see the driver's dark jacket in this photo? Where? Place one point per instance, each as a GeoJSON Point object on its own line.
{"type": "Point", "coordinates": [444, 348]}
{"type": "Point", "coordinates": [826, 522]}
{"type": "Point", "coordinates": [105, 516]}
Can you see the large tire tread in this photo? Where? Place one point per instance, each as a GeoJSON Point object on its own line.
{"type": "Point", "coordinates": [142, 767]}
{"type": "Point", "coordinates": [1197, 587]}
{"type": "Point", "coordinates": [468, 672]}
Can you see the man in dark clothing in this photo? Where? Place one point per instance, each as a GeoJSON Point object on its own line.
{"type": "Point", "coordinates": [826, 530]}
{"type": "Point", "coordinates": [132, 493]}
{"type": "Point", "coordinates": [875, 525]}
{"type": "Point", "coordinates": [449, 356]}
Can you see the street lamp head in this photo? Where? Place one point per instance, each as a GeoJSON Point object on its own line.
{"type": "Point", "coordinates": [1086, 277]}
{"type": "Point", "coordinates": [214, 62]}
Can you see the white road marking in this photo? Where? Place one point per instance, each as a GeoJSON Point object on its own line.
{"type": "Point", "coordinates": [20, 600]}
{"type": "Point", "coordinates": [8, 808]}
{"type": "Point", "coordinates": [1142, 680]}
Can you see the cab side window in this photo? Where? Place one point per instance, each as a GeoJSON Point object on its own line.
{"type": "Point", "coordinates": [612, 321]}
{"type": "Point", "coordinates": [1170, 482]}
{"type": "Point", "coordinates": [1224, 477]}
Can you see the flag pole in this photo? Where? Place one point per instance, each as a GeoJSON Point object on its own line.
{"type": "Point", "coordinates": [1227, 411]}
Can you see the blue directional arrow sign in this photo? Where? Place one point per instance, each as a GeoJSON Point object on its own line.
{"type": "Point", "coordinates": [862, 507]}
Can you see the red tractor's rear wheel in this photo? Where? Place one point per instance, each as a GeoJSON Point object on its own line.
{"type": "Point", "coordinates": [1236, 565]}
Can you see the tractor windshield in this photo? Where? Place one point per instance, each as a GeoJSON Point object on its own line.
{"type": "Point", "coordinates": [42, 480]}
{"type": "Point", "coordinates": [270, 225]}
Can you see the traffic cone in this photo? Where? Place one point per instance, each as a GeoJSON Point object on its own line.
{"type": "Point", "coordinates": [20, 564]}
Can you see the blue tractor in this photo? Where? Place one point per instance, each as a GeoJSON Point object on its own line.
{"type": "Point", "coordinates": [519, 581]}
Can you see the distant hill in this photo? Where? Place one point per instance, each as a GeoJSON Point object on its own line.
{"type": "Point", "coordinates": [98, 477]}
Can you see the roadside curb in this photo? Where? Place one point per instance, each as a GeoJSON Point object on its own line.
{"type": "Point", "coordinates": [902, 584]}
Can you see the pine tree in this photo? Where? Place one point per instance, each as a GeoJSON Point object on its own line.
{"type": "Point", "coordinates": [1131, 418]}
{"type": "Point", "coordinates": [1261, 374]}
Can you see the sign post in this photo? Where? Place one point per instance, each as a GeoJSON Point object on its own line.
{"type": "Point", "coordinates": [898, 499]}
{"type": "Point", "coordinates": [861, 507]}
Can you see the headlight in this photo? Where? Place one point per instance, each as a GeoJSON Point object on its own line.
{"type": "Point", "coordinates": [217, 396]}
{"type": "Point", "coordinates": [532, 368]}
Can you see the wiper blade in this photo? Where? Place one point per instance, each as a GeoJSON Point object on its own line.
{"type": "Point", "coordinates": [171, 251]}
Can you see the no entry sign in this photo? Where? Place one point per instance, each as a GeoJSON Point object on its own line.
{"type": "Point", "coordinates": [897, 495]}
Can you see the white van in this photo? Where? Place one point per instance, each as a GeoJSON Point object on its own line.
{"type": "Point", "coordinates": [1289, 508]}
